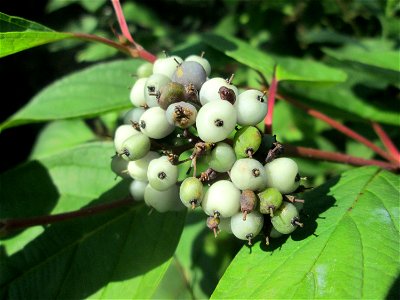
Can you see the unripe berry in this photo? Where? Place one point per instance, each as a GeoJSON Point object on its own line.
{"type": "Point", "coordinates": [222, 199]}
{"type": "Point", "coordinates": [153, 86]}
{"type": "Point", "coordinates": [133, 115]}
{"type": "Point", "coordinates": [215, 121]}
{"type": "Point", "coordinates": [283, 174]}
{"type": "Point", "coordinates": [137, 169]}
{"type": "Point", "coordinates": [135, 147]}
{"type": "Point", "coordinates": [154, 123]}
{"type": "Point", "coordinates": [138, 92]}
{"type": "Point", "coordinates": [249, 228]}
{"type": "Point", "coordinates": [191, 192]}
{"type": "Point", "coordinates": [137, 188]}
{"type": "Point", "coordinates": [166, 66]}
{"type": "Point", "coordinates": [270, 200]}
{"type": "Point", "coordinates": [163, 201]}
{"type": "Point", "coordinates": [221, 158]}
{"type": "Point", "coordinates": [145, 70]}
{"type": "Point", "coordinates": [286, 218]}
{"type": "Point", "coordinates": [246, 141]}
{"type": "Point", "coordinates": [119, 166]}
{"type": "Point", "coordinates": [161, 173]}
{"type": "Point", "coordinates": [252, 107]}
{"type": "Point", "coordinates": [122, 133]}
{"type": "Point", "coordinates": [210, 90]}
{"type": "Point", "coordinates": [248, 174]}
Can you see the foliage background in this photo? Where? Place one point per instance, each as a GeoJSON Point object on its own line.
{"type": "Point", "coordinates": [330, 32]}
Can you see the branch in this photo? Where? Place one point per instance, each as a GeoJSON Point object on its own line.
{"type": "Point", "coordinates": [389, 145]}
{"type": "Point", "coordinates": [271, 102]}
{"type": "Point", "coordinates": [9, 225]}
{"type": "Point", "coordinates": [143, 53]}
{"type": "Point", "coordinates": [340, 127]}
{"type": "Point", "coordinates": [95, 38]}
{"type": "Point", "coordinates": [298, 151]}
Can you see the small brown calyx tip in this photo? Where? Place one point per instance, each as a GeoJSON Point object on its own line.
{"type": "Point", "coordinates": [249, 152]}
{"type": "Point", "coordinates": [249, 238]}
{"type": "Point", "coordinates": [219, 123]}
{"type": "Point", "coordinates": [256, 172]}
{"type": "Point", "coordinates": [245, 215]}
{"type": "Point", "coordinates": [193, 204]}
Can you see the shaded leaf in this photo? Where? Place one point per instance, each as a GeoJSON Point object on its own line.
{"type": "Point", "coordinates": [86, 93]}
{"type": "Point", "coordinates": [289, 68]}
{"type": "Point", "coordinates": [354, 253]}
{"type": "Point", "coordinates": [116, 254]}
{"type": "Point", "coordinates": [61, 135]}
{"type": "Point", "coordinates": [17, 34]}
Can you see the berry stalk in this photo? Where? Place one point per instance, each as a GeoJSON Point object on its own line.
{"type": "Point", "coordinates": [299, 151]}
{"type": "Point", "coordinates": [143, 53]}
{"type": "Point", "coordinates": [9, 225]}
{"type": "Point", "coordinates": [387, 142]}
{"type": "Point", "coordinates": [338, 126]}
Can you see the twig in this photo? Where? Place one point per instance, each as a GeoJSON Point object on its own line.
{"type": "Point", "coordinates": [143, 53]}
{"type": "Point", "coordinates": [9, 225]}
{"type": "Point", "coordinates": [95, 38]}
{"type": "Point", "coordinates": [271, 102]}
{"type": "Point", "coordinates": [298, 151]}
{"type": "Point", "coordinates": [340, 127]}
{"type": "Point", "coordinates": [389, 145]}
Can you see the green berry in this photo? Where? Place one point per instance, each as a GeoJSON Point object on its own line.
{"type": "Point", "coordinates": [161, 173]}
{"type": "Point", "coordinates": [283, 174]}
{"type": "Point", "coordinates": [246, 141]}
{"type": "Point", "coordinates": [286, 218]}
{"type": "Point", "coordinates": [171, 93]}
{"type": "Point", "coordinates": [191, 192]}
{"type": "Point", "coordinates": [249, 228]}
{"type": "Point", "coordinates": [270, 200]}
{"type": "Point", "coordinates": [221, 158]}
{"type": "Point", "coordinates": [135, 147]}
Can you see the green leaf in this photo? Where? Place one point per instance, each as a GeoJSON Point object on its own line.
{"type": "Point", "coordinates": [89, 5]}
{"type": "Point", "coordinates": [353, 254]}
{"type": "Point", "coordinates": [116, 254]}
{"type": "Point", "coordinates": [199, 261]}
{"type": "Point", "coordinates": [87, 93]}
{"type": "Point", "coordinates": [17, 34]}
{"type": "Point", "coordinates": [60, 135]}
{"type": "Point", "coordinates": [381, 59]}
{"type": "Point", "coordinates": [288, 68]}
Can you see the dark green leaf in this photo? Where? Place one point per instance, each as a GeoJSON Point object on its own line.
{"type": "Point", "coordinates": [61, 135]}
{"type": "Point", "coordinates": [17, 34]}
{"type": "Point", "coordinates": [288, 68]}
{"type": "Point", "coordinates": [116, 254]}
{"type": "Point", "coordinates": [86, 93]}
{"type": "Point", "coordinates": [353, 254]}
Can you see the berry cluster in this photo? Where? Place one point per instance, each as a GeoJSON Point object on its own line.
{"type": "Point", "coordinates": [235, 174]}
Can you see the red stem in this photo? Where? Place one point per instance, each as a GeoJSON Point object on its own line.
{"type": "Point", "coordinates": [143, 53]}
{"type": "Point", "coordinates": [8, 225]}
{"type": "Point", "coordinates": [298, 151]}
{"type": "Point", "coordinates": [389, 145]}
{"type": "Point", "coordinates": [340, 127]}
{"type": "Point", "coordinates": [271, 103]}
